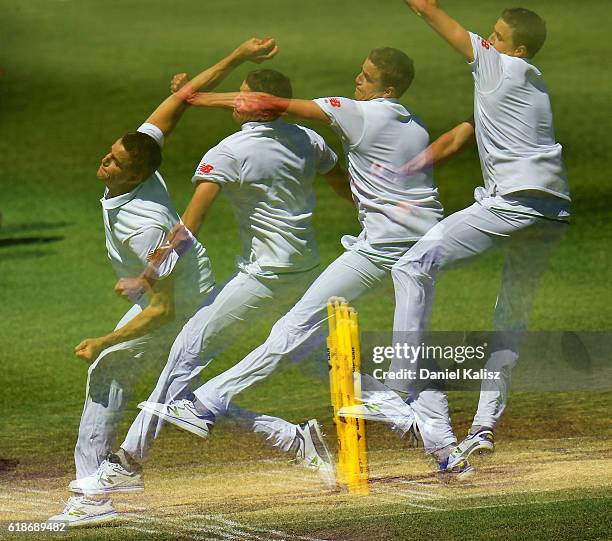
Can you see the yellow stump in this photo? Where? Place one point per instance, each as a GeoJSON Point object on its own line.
{"type": "Point", "coordinates": [344, 355]}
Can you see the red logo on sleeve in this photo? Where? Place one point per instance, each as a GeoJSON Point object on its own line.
{"type": "Point", "coordinates": [205, 168]}
{"type": "Point", "coordinates": [335, 102]}
{"type": "Point", "coordinates": [485, 44]}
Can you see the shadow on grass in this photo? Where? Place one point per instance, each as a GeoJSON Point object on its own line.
{"type": "Point", "coordinates": [33, 226]}
{"type": "Point", "coordinates": [5, 242]}
{"type": "Point", "coordinates": [29, 254]}
{"type": "Point", "coordinates": [8, 464]}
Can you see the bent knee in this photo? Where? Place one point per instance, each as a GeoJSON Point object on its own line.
{"type": "Point", "coordinates": [421, 260]}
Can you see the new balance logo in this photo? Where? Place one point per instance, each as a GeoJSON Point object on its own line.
{"type": "Point", "coordinates": [205, 168]}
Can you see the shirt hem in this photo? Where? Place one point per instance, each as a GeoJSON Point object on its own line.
{"type": "Point", "coordinates": [270, 270]}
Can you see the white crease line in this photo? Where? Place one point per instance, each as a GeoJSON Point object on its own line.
{"type": "Point", "coordinates": [284, 535]}
{"type": "Point", "coordinates": [420, 506]}
{"type": "Point", "coordinates": [507, 481]}
{"type": "Point", "coordinates": [517, 504]}
{"type": "Point", "coordinates": [234, 523]}
{"type": "Point", "coordinates": [276, 532]}
{"type": "Point", "coordinates": [418, 495]}
{"type": "Point", "coordinates": [192, 532]}
{"type": "Point", "coordinates": [412, 504]}
{"type": "Point", "coordinates": [182, 533]}
{"type": "Point", "coordinates": [201, 537]}
{"type": "Point", "coordinates": [352, 517]}
{"type": "Point", "coordinates": [387, 495]}
{"type": "Point", "coordinates": [488, 494]}
{"type": "Point", "coordinates": [432, 485]}
{"type": "Point", "coordinates": [430, 494]}
{"type": "Point", "coordinates": [225, 532]}
{"type": "Point", "coordinates": [559, 439]}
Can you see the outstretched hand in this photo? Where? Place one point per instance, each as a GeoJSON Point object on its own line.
{"type": "Point", "coordinates": [253, 50]}
{"type": "Point", "coordinates": [257, 50]}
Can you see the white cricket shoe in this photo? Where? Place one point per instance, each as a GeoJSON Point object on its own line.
{"type": "Point", "coordinates": [385, 406]}
{"type": "Point", "coordinates": [451, 468]}
{"type": "Point", "coordinates": [80, 511]}
{"type": "Point", "coordinates": [110, 476]}
{"type": "Point", "coordinates": [183, 414]}
{"type": "Point", "coordinates": [312, 452]}
{"type": "Point", "coordinates": [482, 442]}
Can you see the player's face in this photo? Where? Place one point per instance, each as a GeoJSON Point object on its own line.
{"type": "Point", "coordinates": [115, 168]}
{"type": "Point", "coordinates": [368, 84]}
{"type": "Point", "coordinates": [501, 38]}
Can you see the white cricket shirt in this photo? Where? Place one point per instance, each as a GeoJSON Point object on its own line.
{"type": "Point", "coordinates": [267, 170]}
{"type": "Point", "coordinates": [379, 137]}
{"type": "Point", "coordinates": [514, 125]}
{"type": "Point", "coordinates": [136, 224]}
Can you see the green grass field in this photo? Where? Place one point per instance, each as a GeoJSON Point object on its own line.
{"type": "Point", "coordinates": [76, 74]}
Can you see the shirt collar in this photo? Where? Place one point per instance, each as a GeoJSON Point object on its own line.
{"type": "Point", "coordinates": [392, 100]}
{"type": "Point", "coordinates": [110, 203]}
{"type": "Point", "coordinates": [255, 123]}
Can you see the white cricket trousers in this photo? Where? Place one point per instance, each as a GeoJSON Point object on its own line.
{"type": "Point", "coordinates": [216, 325]}
{"type": "Point", "coordinates": [349, 276]}
{"type": "Point", "coordinates": [492, 221]}
{"type": "Point", "coordinates": [110, 383]}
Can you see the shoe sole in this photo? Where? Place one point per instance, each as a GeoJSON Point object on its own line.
{"type": "Point", "coordinates": [322, 446]}
{"type": "Point", "coordinates": [106, 517]}
{"type": "Point", "coordinates": [181, 423]}
{"type": "Point", "coordinates": [322, 450]}
{"type": "Point", "coordinates": [482, 448]}
{"type": "Point", "coordinates": [466, 474]}
{"type": "Point", "coordinates": [102, 491]}
{"type": "Point", "coordinates": [450, 477]}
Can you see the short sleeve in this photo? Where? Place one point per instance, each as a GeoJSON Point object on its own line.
{"type": "Point", "coordinates": [325, 156]}
{"type": "Point", "coordinates": [346, 118]}
{"type": "Point", "coordinates": [487, 65]}
{"type": "Point", "coordinates": [153, 131]}
{"type": "Point", "coordinates": [218, 165]}
{"type": "Point", "coordinates": [146, 242]}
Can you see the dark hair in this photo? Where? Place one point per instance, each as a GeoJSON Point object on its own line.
{"type": "Point", "coordinates": [528, 29]}
{"type": "Point", "coordinates": [270, 81]}
{"type": "Point", "coordinates": [145, 153]}
{"type": "Point", "coordinates": [396, 68]}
